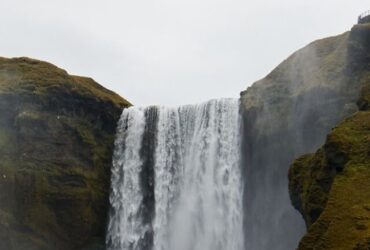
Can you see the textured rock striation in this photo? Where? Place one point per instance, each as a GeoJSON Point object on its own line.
{"type": "Point", "coordinates": [287, 114]}
{"type": "Point", "coordinates": [56, 142]}
{"type": "Point", "coordinates": [331, 187]}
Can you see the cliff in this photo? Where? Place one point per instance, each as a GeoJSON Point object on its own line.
{"type": "Point", "coordinates": [287, 114]}
{"type": "Point", "coordinates": [331, 187]}
{"type": "Point", "coordinates": [56, 141]}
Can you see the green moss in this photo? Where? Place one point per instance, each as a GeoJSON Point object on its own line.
{"type": "Point", "coordinates": [310, 180]}
{"type": "Point", "coordinates": [31, 76]}
{"type": "Point", "coordinates": [56, 143]}
{"type": "Point", "coordinates": [343, 221]}
{"type": "Point", "coordinates": [331, 188]}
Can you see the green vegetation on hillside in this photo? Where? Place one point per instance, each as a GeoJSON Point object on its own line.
{"type": "Point", "coordinates": [331, 188]}
{"type": "Point", "coordinates": [56, 144]}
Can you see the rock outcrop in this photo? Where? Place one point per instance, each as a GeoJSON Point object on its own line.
{"type": "Point", "coordinates": [56, 141]}
{"type": "Point", "coordinates": [287, 114]}
{"type": "Point", "coordinates": [331, 188]}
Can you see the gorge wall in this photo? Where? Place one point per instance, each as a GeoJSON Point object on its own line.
{"type": "Point", "coordinates": [56, 144]}
{"type": "Point", "coordinates": [331, 187]}
{"type": "Point", "coordinates": [287, 114]}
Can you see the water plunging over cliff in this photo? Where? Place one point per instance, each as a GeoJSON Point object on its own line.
{"type": "Point", "coordinates": [176, 179]}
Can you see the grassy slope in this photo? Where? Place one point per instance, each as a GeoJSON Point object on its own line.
{"type": "Point", "coordinates": [26, 74]}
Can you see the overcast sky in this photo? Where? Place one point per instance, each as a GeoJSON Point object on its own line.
{"type": "Point", "coordinates": [170, 52]}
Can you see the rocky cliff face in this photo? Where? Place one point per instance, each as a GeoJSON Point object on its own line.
{"type": "Point", "coordinates": [287, 114]}
{"type": "Point", "coordinates": [56, 142]}
{"type": "Point", "coordinates": [331, 187]}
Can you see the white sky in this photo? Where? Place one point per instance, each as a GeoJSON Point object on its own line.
{"type": "Point", "coordinates": [170, 52]}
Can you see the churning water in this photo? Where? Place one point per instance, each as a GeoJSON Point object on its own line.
{"type": "Point", "coordinates": [176, 179]}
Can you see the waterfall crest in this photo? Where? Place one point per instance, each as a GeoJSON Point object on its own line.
{"type": "Point", "coordinates": [176, 179]}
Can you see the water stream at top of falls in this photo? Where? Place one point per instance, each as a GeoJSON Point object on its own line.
{"type": "Point", "coordinates": [176, 179]}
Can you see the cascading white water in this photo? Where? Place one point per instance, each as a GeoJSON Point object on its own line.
{"type": "Point", "coordinates": [125, 225]}
{"type": "Point", "coordinates": [197, 179]}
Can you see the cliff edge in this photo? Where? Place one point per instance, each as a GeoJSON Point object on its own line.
{"type": "Point", "coordinates": [331, 188]}
{"type": "Point", "coordinates": [56, 142]}
{"type": "Point", "coordinates": [287, 114]}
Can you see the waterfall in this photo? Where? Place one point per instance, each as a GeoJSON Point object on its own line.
{"type": "Point", "coordinates": [176, 179]}
{"type": "Point", "coordinates": [126, 228]}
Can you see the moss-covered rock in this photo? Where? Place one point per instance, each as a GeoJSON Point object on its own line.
{"type": "Point", "coordinates": [56, 142]}
{"type": "Point", "coordinates": [331, 188]}
{"type": "Point", "coordinates": [289, 113]}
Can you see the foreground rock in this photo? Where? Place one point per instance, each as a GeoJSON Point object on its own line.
{"type": "Point", "coordinates": [56, 143]}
